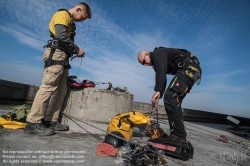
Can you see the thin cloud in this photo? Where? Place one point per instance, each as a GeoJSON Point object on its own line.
{"type": "Point", "coordinates": [22, 38]}
{"type": "Point", "coordinates": [21, 72]}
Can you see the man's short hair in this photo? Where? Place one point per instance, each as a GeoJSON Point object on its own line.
{"type": "Point", "coordinates": [88, 10]}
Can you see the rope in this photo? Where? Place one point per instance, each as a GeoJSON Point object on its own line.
{"type": "Point", "coordinates": [81, 120]}
{"type": "Point", "coordinates": [21, 111]}
{"type": "Point", "coordinates": [223, 138]}
{"type": "Point", "coordinates": [78, 69]}
{"type": "Point", "coordinates": [137, 145]}
{"type": "Point", "coordinates": [96, 83]}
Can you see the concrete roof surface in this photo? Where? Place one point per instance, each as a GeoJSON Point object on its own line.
{"type": "Point", "coordinates": [208, 149]}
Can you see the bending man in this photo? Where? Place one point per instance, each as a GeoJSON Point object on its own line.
{"type": "Point", "coordinates": [186, 68]}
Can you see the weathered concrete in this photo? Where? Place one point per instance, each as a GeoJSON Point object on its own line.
{"type": "Point", "coordinates": [97, 104]}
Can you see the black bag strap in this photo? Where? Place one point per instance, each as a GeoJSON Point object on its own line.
{"type": "Point", "coordinates": [123, 117]}
{"type": "Point", "coordinates": [133, 112]}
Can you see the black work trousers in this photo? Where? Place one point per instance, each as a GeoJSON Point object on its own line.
{"type": "Point", "coordinates": [179, 86]}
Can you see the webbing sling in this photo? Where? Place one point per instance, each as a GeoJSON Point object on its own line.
{"type": "Point", "coordinates": [49, 62]}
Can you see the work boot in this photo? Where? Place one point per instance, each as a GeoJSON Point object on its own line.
{"type": "Point", "coordinates": [56, 126]}
{"type": "Point", "coordinates": [38, 128]}
{"type": "Point", "coordinates": [175, 137]}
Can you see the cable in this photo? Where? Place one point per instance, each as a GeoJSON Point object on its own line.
{"type": "Point", "coordinates": [218, 136]}
{"type": "Point", "coordinates": [78, 69]}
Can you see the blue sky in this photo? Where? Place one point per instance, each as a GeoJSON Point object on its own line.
{"type": "Point", "coordinates": [216, 31]}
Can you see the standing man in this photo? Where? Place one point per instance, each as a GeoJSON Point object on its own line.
{"type": "Point", "coordinates": [186, 68]}
{"type": "Point", "coordinates": [52, 92]}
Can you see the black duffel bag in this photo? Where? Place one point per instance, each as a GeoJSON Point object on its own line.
{"type": "Point", "coordinates": [182, 150]}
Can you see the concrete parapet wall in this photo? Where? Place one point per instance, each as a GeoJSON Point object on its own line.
{"type": "Point", "coordinates": [101, 105]}
{"type": "Point", "coordinates": [211, 117]}
{"type": "Point", "coordinates": [203, 116]}
{"type": "Point", "coordinates": [190, 114]}
{"type": "Point", "coordinates": [97, 104]}
{"type": "Point", "coordinates": [16, 93]}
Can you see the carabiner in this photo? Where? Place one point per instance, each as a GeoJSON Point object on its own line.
{"type": "Point", "coordinates": [54, 44]}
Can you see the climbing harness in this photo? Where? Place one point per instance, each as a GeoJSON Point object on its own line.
{"type": "Point", "coordinates": [73, 84]}
{"type": "Point", "coordinates": [188, 64]}
{"type": "Point", "coordinates": [54, 44]}
{"type": "Point", "coordinates": [191, 67]}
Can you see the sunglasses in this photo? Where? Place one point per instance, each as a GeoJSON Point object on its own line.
{"type": "Point", "coordinates": [144, 60]}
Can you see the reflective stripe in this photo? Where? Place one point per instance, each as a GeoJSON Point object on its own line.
{"type": "Point", "coordinates": [173, 83]}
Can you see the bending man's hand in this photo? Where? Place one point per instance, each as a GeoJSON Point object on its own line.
{"type": "Point", "coordinates": [155, 99]}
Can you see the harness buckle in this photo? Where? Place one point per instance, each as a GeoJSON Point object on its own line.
{"type": "Point", "coordinates": [181, 64]}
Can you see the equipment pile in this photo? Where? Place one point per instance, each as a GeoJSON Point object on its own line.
{"type": "Point", "coordinates": [75, 83]}
{"type": "Point", "coordinates": [154, 151]}
{"type": "Point", "coordinates": [15, 119]}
